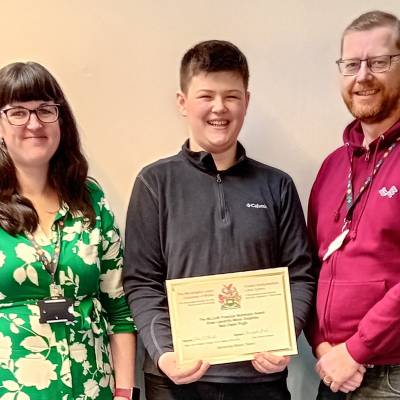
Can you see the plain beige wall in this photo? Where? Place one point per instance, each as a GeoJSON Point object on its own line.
{"type": "Point", "coordinates": [118, 64]}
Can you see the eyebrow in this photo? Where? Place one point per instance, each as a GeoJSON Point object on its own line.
{"type": "Point", "coordinates": [225, 91]}
{"type": "Point", "coordinates": [44, 103]}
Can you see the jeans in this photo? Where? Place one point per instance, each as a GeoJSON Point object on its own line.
{"type": "Point", "coordinates": [160, 388]}
{"type": "Point", "coordinates": [379, 383]}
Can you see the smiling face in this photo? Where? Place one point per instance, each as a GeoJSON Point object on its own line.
{"type": "Point", "coordinates": [32, 144]}
{"type": "Point", "coordinates": [372, 97]}
{"type": "Point", "coordinates": [215, 105]}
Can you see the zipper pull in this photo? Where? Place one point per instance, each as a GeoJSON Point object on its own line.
{"type": "Point", "coordinates": [219, 180]}
{"type": "Point", "coordinates": [367, 155]}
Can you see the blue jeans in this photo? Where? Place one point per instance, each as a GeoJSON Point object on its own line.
{"type": "Point", "coordinates": [160, 388]}
{"type": "Point", "coordinates": [379, 383]}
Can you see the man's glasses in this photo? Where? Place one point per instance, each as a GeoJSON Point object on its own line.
{"type": "Point", "coordinates": [19, 116]}
{"type": "Point", "coordinates": [375, 64]}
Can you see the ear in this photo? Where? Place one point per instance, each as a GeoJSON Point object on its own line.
{"type": "Point", "coordinates": [181, 103]}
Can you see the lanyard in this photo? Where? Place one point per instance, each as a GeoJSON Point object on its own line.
{"type": "Point", "coordinates": [50, 265]}
{"type": "Point", "coordinates": [350, 201]}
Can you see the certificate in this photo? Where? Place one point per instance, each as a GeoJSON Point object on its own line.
{"type": "Point", "coordinates": [230, 317]}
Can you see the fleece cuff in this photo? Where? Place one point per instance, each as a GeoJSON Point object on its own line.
{"type": "Point", "coordinates": [358, 350]}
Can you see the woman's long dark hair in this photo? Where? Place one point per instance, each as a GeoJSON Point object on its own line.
{"type": "Point", "coordinates": [68, 167]}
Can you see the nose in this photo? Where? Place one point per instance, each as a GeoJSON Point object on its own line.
{"type": "Point", "coordinates": [34, 122]}
{"type": "Point", "coordinates": [364, 73]}
{"type": "Point", "coordinates": [218, 105]}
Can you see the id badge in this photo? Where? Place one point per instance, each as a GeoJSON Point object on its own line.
{"type": "Point", "coordinates": [335, 244]}
{"type": "Point", "coordinates": [56, 310]}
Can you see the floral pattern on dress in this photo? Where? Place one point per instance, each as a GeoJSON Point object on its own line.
{"type": "Point", "coordinates": [66, 361]}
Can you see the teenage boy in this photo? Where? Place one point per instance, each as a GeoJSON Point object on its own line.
{"type": "Point", "coordinates": [208, 210]}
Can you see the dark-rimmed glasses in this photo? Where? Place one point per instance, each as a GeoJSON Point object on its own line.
{"type": "Point", "coordinates": [375, 64]}
{"type": "Point", "coordinates": [19, 115]}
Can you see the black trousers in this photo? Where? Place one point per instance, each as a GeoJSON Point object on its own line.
{"type": "Point", "coordinates": [324, 393]}
{"type": "Point", "coordinates": [160, 388]}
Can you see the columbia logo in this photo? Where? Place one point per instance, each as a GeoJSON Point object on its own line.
{"type": "Point", "coordinates": [255, 205]}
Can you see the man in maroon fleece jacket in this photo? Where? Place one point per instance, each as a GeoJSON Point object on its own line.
{"type": "Point", "coordinates": [354, 223]}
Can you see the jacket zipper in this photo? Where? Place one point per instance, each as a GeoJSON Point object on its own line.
{"type": "Point", "coordinates": [327, 316]}
{"type": "Point", "coordinates": [329, 297]}
{"type": "Point", "coordinates": [221, 198]}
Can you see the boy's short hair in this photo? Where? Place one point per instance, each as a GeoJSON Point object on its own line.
{"type": "Point", "coordinates": [213, 56]}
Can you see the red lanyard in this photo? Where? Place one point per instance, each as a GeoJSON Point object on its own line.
{"type": "Point", "coordinates": [350, 201]}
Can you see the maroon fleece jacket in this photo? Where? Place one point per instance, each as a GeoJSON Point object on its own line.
{"type": "Point", "coordinates": [358, 296]}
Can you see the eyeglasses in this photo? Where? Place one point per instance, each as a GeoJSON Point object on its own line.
{"type": "Point", "coordinates": [375, 64]}
{"type": "Point", "coordinates": [19, 116]}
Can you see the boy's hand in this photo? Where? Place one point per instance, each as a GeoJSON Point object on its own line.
{"type": "Point", "coordinates": [192, 373]}
{"type": "Point", "coordinates": [268, 363]}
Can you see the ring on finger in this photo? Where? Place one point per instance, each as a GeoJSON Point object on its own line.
{"type": "Point", "coordinates": [327, 380]}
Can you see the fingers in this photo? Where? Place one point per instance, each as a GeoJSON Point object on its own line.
{"type": "Point", "coordinates": [319, 371]}
{"type": "Point", "coordinates": [353, 383]}
{"type": "Point", "coordinates": [193, 374]}
{"type": "Point", "coordinates": [349, 386]}
{"type": "Point", "coordinates": [346, 388]}
{"type": "Point", "coordinates": [191, 370]}
{"type": "Point", "coordinates": [181, 374]}
{"type": "Point", "coordinates": [334, 387]}
{"type": "Point", "coordinates": [267, 363]}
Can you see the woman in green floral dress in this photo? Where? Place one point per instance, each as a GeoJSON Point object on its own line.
{"type": "Point", "coordinates": [59, 243]}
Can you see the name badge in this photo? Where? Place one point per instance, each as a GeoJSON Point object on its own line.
{"type": "Point", "coordinates": [56, 310]}
{"type": "Point", "coordinates": [335, 244]}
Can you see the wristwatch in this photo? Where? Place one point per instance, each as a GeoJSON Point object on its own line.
{"type": "Point", "coordinates": [129, 394]}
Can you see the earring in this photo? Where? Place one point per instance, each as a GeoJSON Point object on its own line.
{"type": "Point", "coordinates": [2, 143]}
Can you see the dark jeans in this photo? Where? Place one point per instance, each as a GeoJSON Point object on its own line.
{"type": "Point", "coordinates": [324, 393]}
{"type": "Point", "coordinates": [159, 388]}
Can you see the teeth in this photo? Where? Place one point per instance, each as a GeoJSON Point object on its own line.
{"type": "Point", "coordinates": [367, 92]}
{"type": "Point", "coordinates": [218, 122]}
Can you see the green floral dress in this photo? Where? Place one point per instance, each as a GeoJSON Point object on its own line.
{"type": "Point", "coordinates": [62, 361]}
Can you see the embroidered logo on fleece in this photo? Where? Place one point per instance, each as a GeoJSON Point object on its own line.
{"type": "Point", "coordinates": [255, 205]}
{"type": "Point", "coordinates": [388, 193]}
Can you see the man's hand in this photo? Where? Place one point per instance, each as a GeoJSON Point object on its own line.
{"type": "Point", "coordinates": [268, 363]}
{"type": "Point", "coordinates": [192, 373]}
{"type": "Point", "coordinates": [322, 349]}
{"type": "Point", "coordinates": [337, 366]}
{"type": "Point", "coordinates": [354, 382]}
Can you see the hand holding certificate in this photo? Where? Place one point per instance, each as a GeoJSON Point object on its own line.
{"type": "Point", "coordinates": [231, 317]}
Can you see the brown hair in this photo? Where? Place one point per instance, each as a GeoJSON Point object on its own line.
{"type": "Point", "coordinates": [371, 20]}
{"type": "Point", "coordinates": [213, 56]}
{"type": "Point", "coordinates": [68, 167]}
